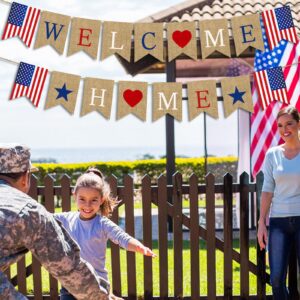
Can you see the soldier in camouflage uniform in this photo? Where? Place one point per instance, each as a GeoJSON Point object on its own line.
{"type": "Point", "coordinates": [26, 225]}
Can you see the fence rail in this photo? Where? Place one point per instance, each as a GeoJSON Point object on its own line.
{"type": "Point", "coordinates": [168, 200]}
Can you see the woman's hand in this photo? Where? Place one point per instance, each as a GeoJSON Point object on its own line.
{"type": "Point", "coordinates": [262, 235]}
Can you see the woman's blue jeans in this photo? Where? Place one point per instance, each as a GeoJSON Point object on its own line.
{"type": "Point", "coordinates": [283, 233]}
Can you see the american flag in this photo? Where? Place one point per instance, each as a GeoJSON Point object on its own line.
{"type": "Point", "coordinates": [264, 132]}
{"type": "Point", "coordinates": [29, 82]}
{"type": "Point", "coordinates": [271, 86]}
{"type": "Point", "coordinates": [22, 22]}
{"type": "Point", "coordinates": [279, 25]}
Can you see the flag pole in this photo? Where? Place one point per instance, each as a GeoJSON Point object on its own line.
{"type": "Point", "coordinates": [205, 145]}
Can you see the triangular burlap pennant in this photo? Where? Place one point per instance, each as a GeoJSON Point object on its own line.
{"type": "Point", "coordinates": [167, 99]}
{"type": "Point", "coordinates": [214, 36]}
{"type": "Point", "coordinates": [85, 36]}
{"type": "Point", "coordinates": [63, 90]}
{"type": "Point", "coordinates": [52, 31]}
{"type": "Point", "coordinates": [246, 32]}
{"type": "Point", "coordinates": [202, 97]}
{"type": "Point", "coordinates": [182, 39]}
{"type": "Point", "coordinates": [236, 94]}
{"type": "Point", "coordinates": [116, 38]}
{"type": "Point", "coordinates": [97, 96]}
{"type": "Point", "coordinates": [132, 99]}
{"type": "Point", "coordinates": [148, 39]}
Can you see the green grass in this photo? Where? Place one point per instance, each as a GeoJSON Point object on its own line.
{"type": "Point", "coordinates": [186, 271]}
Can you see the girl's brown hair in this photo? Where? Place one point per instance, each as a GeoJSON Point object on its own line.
{"type": "Point", "coordinates": [289, 110]}
{"type": "Point", "coordinates": [93, 178]}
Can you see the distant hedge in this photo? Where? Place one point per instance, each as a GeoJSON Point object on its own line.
{"type": "Point", "coordinates": [138, 168]}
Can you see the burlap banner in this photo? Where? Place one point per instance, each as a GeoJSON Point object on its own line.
{"type": "Point", "coordinates": [97, 96]}
{"type": "Point", "coordinates": [167, 99]}
{"type": "Point", "coordinates": [52, 31]}
{"type": "Point", "coordinates": [132, 99]}
{"type": "Point", "coordinates": [63, 90]}
{"type": "Point", "coordinates": [85, 35]}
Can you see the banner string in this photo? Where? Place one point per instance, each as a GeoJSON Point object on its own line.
{"type": "Point", "coordinates": [242, 61]}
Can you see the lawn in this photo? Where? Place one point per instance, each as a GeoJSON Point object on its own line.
{"type": "Point", "coordinates": [186, 271]}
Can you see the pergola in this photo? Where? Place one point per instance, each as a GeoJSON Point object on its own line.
{"type": "Point", "coordinates": [216, 65]}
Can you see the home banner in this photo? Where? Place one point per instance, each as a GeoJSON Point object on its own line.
{"type": "Point", "coordinates": [53, 31]}
{"type": "Point", "coordinates": [63, 90]}
{"type": "Point", "coordinates": [132, 99]}
{"type": "Point", "coordinates": [97, 96]}
{"type": "Point", "coordinates": [167, 99]}
{"type": "Point", "coordinates": [148, 39]}
{"type": "Point", "coordinates": [214, 37]}
{"type": "Point", "coordinates": [202, 97]}
{"type": "Point", "coordinates": [85, 35]}
{"type": "Point", "coordinates": [246, 32]}
{"type": "Point", "coordinates": [182, 40]}
{"type": "Point", "coordinates": [116, 39]}
{"type": "Point", "coordinates": [236, 94]}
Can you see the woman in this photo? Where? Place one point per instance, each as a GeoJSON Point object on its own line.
{"type": "Point", "coordinates": [281, 195]}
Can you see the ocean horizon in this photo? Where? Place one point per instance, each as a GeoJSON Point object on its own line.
{"type": "Point", "coordinates": [76, 155]}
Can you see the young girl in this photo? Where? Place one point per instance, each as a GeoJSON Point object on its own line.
{"type": "Point", "coordinates": [90, 226]}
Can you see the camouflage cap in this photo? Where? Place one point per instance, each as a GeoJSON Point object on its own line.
{"type": "Point", "coordinates": [15, 158]}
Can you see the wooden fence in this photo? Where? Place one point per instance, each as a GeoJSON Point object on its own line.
{"type": "Point", "coordinates": [168, 199]}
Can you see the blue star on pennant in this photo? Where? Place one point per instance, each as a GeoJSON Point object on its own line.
{"type": "Point", "coordinates": [237, 96]}
{"type": "Point", "coordinates": [63, 92]}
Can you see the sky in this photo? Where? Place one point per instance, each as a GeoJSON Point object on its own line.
{"type": "Point", "coordinates": [55, 128]}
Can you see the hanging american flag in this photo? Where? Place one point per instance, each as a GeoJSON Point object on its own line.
{"type": "Point", "coordinates": [271, 86]}
{"type": "Point", "coordinates": [29, 82]}
{"type": "Point", "coordinates": [264, 132]}
{"type": "Point", "coordinates": [22, 22]}
{"type": "Point", "coordinates": [279, 25]}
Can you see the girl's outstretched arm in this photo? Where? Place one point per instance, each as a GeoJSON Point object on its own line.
{"type": "Point", "coordinates": [136, 246]}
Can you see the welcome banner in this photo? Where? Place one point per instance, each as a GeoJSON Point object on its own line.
{"type": "Point", "coordinates": [148, 37]}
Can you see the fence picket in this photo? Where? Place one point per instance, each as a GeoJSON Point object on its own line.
{"type": "Point", "coordinates": [147, 236]}
{"type": "Point", "coordinates": [66, 193]}
{"type": "Point", "coordinates": [115, 250]}
{"type": "Point", "coordinates": [177, 235]}
{"type": "Point", "coordinates": [244, 235]}
{"type": "Point", "coordinates": [194, 234]}
{"type": "Point", "coordinates": [211, 245]}
{"type": "Point", "coordinates": [227, 236]}
{"type": "Point", "coordinates": [129, 227]}
{"type": "Point", "coordinates": [163, 237]}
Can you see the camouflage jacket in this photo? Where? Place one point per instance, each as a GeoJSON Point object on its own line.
{"type": "Point", "coordinates": [26, 225]}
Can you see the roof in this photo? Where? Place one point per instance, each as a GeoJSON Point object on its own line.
{"type": "Point", "coordinates": [196, 10]}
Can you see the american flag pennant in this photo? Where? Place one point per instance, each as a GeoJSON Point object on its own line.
{"type": "Point", "coordinates": [22, 21]}
{"type": "Point", "coordinates": [271, 86]}
{"type": "Point", "coordinates": [279, 25]}
{"type": "Point", "coordinates": [29, 82]}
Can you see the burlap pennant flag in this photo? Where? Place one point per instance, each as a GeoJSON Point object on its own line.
{"type": "Point", "coordinates": [202, 97]}
{"type": "Point", "coordinates": [182, 39]}
{"type": "Point", "coordinates": [246, 31]}
{"type": "Point", "coordinates": [52, 31]}
{"type": "Point", "coordinates": [116, 38]}
{"type": "Point", "coordinates": [167, 99]}
{"type": "Point", "coordinates": [148, 39]}
{"type": "Point", "coordinates": [85, 36]}
{"type": "Point", "coordinates": [97, 96]}
{"type": "Point", "coordinates": [132, 99]}
{"type": "Point", "coordinates": [63, 90]}
{"type": "Point", "coordinates": [236, 94]}
{"type": "Point", "coordinates": [214, 36]}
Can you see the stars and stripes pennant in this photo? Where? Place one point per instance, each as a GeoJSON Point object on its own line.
{"type": "Point", "coordinates": [22, 21]}
{"type": "Point", "coordinates": [279, 25]}
{"type": "Point", "coordinates": [29, 82]}
{"type": "Point", "coordinates": [271, 86]}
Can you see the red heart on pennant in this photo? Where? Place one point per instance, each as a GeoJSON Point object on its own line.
{"type": "Point", "coordinates": [132, 97]}
{"type": "Point", "coordinates": [182, 38]}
